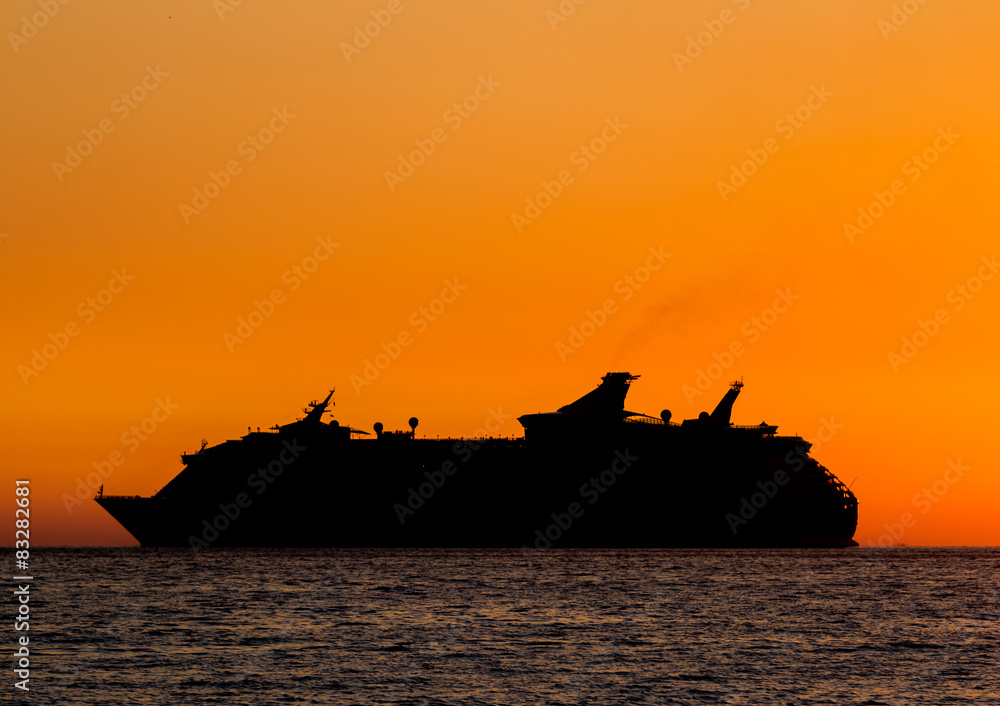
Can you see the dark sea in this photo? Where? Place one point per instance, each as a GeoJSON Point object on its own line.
{"type": "Point", "coordinates": [859, 626]}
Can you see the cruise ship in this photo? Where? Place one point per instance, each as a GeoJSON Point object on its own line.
{"type": "Point", "coordinates": [589, 474]}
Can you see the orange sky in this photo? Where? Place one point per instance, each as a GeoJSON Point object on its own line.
{"type": "Point", "coordinates": [309, 131]}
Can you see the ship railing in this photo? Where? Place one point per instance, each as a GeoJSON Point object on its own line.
{"type": "Point", "coordinates": [654, 421]}
{"type": "Point", "coordinates": [764, 429]}
{"type": "Point", "coordinates": [845, 492]}
{"type": "Point", "coordinates": [644, 420]}
{"type": "Point", "coordinates": [498, 441]}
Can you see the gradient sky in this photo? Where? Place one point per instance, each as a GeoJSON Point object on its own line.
{"type": "Point", "coordinates": [835, 100]}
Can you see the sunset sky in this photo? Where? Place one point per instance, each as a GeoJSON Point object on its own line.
{"type": "Point", "coordinates": [813, 182]}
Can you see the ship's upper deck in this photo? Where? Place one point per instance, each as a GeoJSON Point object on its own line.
{"type": "Point", "coordinates": [606, 405]}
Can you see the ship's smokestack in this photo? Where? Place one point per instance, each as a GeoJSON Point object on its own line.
{"type": "Point", "coordinates": [608, 398]}
{"type": "Point", "coordinates": [724, 410]}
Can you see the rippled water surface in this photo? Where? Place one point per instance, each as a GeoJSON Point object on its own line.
{"type": "Point", "coordinates": [862, 626]}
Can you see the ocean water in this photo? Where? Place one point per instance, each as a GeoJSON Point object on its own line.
{"type": "Point", "coordinates": [861, 626]}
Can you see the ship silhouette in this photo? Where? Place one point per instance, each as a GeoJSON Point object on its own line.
{"type": "Point", "coordinates": [590, 474]}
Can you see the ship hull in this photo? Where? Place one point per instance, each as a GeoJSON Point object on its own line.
{"type": "Point", "coordinates": [631, 485]}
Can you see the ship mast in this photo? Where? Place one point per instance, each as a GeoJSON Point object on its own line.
{"type": "Point", "coordinates": [317, 409]}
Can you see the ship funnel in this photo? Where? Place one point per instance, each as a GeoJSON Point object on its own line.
{"type": "Point", "coordinates": [724, 410]}
{"type": "Point", "coordinates": [608, 398]}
